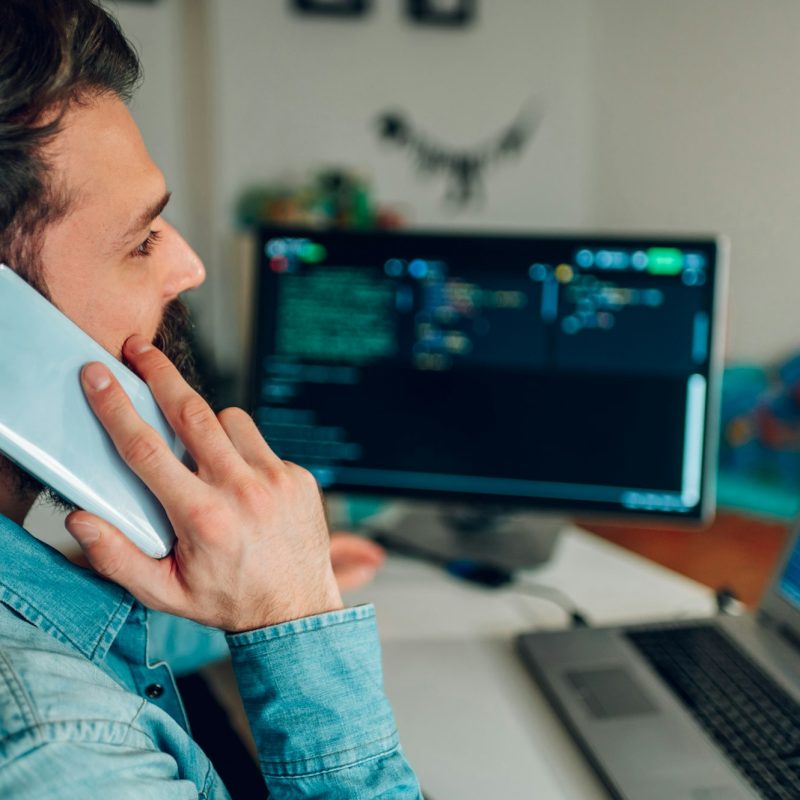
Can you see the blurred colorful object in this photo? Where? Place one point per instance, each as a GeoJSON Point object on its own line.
{"type": "Point", "coordinates": [331, 197]}
{"type": "Point", "coordinates": [760, 438]}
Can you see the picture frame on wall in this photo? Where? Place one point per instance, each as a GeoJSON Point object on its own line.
{"type": "Point", "coordinates": [332, 8]}
{"type": "Point", "coordinates": [443, 13]}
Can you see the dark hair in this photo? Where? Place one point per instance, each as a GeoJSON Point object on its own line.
{"type": "Point", "coordinates": [52, 53]}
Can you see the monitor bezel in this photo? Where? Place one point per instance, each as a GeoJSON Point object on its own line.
{"type": "Point", "coordinates": [704, 512]}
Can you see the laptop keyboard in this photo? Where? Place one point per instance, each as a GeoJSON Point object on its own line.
{"type": "Point", "coordinates": [753, 720]}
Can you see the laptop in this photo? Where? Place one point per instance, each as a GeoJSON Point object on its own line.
{"type": "Point", "coordinates": [693, 710]}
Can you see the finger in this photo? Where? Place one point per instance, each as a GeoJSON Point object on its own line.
{"type": "Point", "coordinates": [111, 554]}
{"type": "Point", "coordinates": [350, 577]}
{"type": "Point", "coordinates": [187, 412]}
{"type": "Point", "coordinates": [347, 548]}
{"type": "Point", "coordinates": [141, 447]}
{"type": "Point", "coordinates": [247, 438]}
{"type": "Point", "coordinates": [355, 561]}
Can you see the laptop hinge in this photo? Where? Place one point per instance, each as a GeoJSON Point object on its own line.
{"type": "Point", "coordinates": [784, 631]}
{"type": "Point", "coordinates": [789, 636]}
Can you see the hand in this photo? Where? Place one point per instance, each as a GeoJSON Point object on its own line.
{"type": "Point", "coordinates": [252, 546]}
{"type": "Point", "coordinates": [355, 560]}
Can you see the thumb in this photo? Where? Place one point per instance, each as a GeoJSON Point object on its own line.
{"type": "Point", "coordinates": [111, 554]}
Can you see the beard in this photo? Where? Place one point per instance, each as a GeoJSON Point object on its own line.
{"type": "Point", "coordinates": [173, 338]}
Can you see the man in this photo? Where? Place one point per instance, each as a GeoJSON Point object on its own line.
{"type": "Point", "coordinates": [83, 711]}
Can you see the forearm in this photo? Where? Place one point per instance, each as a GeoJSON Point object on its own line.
{"type": "Point", "coordinates": [313, 692]}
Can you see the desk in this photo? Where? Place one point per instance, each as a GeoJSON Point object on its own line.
{"type": "Point", "coordinates": [735, 551]}
{"type": "Point", "coordinates": [472, 721]}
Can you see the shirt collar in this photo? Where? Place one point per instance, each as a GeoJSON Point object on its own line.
{"type": "Point", "coordinates": [64, 600]}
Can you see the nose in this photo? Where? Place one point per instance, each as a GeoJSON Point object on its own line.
{"type": "Point", "coordinates": [185, 270]}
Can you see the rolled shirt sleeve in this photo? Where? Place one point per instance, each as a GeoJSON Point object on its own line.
{"type": "Point", "coordinates": [313, 692]}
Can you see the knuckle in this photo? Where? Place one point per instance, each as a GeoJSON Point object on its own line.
{"type": "Point", "coordinates": [250, 492]}
{"type": "Point", "coordinates": [203, 516]}
{"type": "Point", "coordinates": [284, 475]}
{"type": "Point", "coordinates": [113, 402]}
{"type": "Point", "coordinates": [141, 449]}
{"type": "Point", "coordinates": [301, 477]}
{"type": "Point", "coordinates": [109, 565]}
{"type": "Point", "coordinates": [306, 477]}
{"type": "Point", "coordinates": [155, 363]}
{"type": "Point", "coordinates": [194, 413]}
{"type": "Point", "coordinates": [212, 528]}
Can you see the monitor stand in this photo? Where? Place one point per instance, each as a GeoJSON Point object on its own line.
{"type": "Point", "coordinates": [505, 539]}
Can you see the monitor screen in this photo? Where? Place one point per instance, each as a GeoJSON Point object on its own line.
{"type": "Point", "coordinates": [564, 372]}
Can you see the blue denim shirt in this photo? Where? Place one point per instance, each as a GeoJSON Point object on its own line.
{"type": "Point", "coordinates": [85, 711]}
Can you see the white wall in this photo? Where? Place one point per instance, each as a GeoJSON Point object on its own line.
{"type": "Point", "coordinates": [286, 94]}
{"type": "Point", "coordinates": [697, 122]}
{"type": "Point", "coordinates": [291, 93]}
{"type": "Point", "coordinates": [667, 116]}
{"type": "Point", "coordinates": [294, 91]}
{"type": "Point", "coordinates": [154, 29]}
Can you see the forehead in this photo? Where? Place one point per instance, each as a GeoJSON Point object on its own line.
{"type": "Point", "coordinates": [100, 159]}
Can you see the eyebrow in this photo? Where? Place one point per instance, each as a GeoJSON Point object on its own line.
{"type": "Point", "coordinates": [147, 216]}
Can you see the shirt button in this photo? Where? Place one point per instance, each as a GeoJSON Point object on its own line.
{"type": "Point", "coordinates": [154, 691]}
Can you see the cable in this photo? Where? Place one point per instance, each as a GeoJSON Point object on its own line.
{"type": "Point", "coordinates": [552, 595]}
{"type": "Point", "coordinates": [486, 575]}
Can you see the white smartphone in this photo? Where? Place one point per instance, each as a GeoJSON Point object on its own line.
{"type": "Point", "coordinates": [48, 428]}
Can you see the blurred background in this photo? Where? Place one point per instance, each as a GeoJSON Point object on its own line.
{"type": "Point", "coordinates": [528, 115]}
{"type": "Point", "coordinates": [654, 116]}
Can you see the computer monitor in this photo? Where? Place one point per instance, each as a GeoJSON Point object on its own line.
{"type": "Point", "coordinates": [572, 372]}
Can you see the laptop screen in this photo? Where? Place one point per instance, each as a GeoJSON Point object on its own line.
{"type": "Point", "coordinates": [789, 584]}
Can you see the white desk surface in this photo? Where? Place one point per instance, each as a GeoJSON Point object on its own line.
{"type": "Point", "coordinates": [471, 720]}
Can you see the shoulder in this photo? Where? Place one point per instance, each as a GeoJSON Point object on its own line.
{"type": "Point", "coordinates": [51, 693]}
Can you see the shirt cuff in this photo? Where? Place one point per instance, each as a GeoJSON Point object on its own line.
{"type": "Point", "coordinates": [313, 692]}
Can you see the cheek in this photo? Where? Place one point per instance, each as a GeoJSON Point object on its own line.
{"type": "Point", "coordinates": [110, 314]}
{"type": "Point", "coordinates": [118, 317]}
{"type": "Point", "coordinates": [108, 300]}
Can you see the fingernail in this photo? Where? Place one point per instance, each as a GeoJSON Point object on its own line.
{"type": "Point", "coordinates": [96, 376]}
{"type": "Point", "coordinates": [84, 532]}
{"type": "Point", "coordinates": [138, 344]}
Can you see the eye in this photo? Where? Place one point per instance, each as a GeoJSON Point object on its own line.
{"type": "Point", "coordinates": [146, 247]}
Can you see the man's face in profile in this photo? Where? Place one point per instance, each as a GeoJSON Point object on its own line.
{"type": "Point", "coordinates": [112, 263]}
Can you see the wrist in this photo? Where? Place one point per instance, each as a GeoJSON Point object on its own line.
{"type": "Point", "coordinates": [323, 602]}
